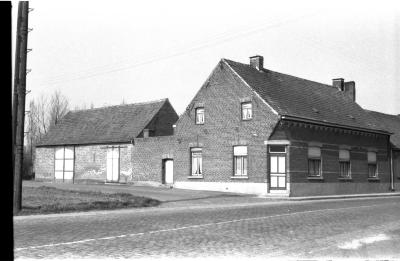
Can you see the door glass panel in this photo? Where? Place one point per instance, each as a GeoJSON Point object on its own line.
{"type": "Point", "coordinates": [69, 165]}
{"type": "Point", "coordinates": [282, 168]}
{"type": "Point", "coordinates": [69, 153]}
{"type": "Point", "coordinates": [115, 169]}
{"type": "Point", "coordinates": [281, 182]}
{"type": "Point", "coordinates": [109, 168]}
{"type": "Point", "coordinates": [59, 165]}
{"type": "Point", "coordinates": [68, 174]}
{"type": "Point", "coordinates": [274, 181]}
{"type": "Point", "coordinates": [58, 174]}
{"type": "Point", "coordinates": [59, 153]}
{"type": "Point", "coordinates": [274, 164]}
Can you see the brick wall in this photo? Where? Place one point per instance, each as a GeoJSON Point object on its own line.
{"type": "Point", "coordinates": [90, 163]}
{"type": "Point", "coordinates": [331, 140]}
{"type": "Point", "coordinates": [221, 96]}
{"type": "Point", "coordinates": [147, 155]}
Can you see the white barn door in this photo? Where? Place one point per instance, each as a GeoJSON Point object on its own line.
{"type": "Point", "coordinates": [112, 164]}
{"type": "Point", "coordinates": [169, 171]}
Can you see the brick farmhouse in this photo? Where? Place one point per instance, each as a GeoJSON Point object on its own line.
{"type": "Point", "coordinates": [248, 130]}
{"type": "Point", "coordinates": [106, 144]}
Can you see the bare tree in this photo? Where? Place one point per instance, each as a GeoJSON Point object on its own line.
{"type": "Point", "coordinates": [44, 113]}
{"type": "Point", "coordinates": [59, 106]}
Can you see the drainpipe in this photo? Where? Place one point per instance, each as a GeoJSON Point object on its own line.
{"type": "Point", "coordinates": [391, 171]}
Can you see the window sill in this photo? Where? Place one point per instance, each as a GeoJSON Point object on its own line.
{"type": "Point", "coordinates": [345, 179]}
{"type": "Point", "coordinates": [315, 178]}
{"type": "Point", "coordinates": [195, 177]}
{"type": "Point", "coordinates": [240, 177]}
{"type": "Point", "coordinates": [374, 179]}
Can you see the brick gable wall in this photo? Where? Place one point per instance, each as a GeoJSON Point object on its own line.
{"type": "Point", "coordinates": [161, 124]}
{"type": "Point", "coordinates": [221, 96]}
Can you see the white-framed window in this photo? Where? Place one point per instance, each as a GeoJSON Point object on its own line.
{"type": "Point", "coordinates": [344, 163]}
{"type": "Point", "coordinates": [372, 169]}
{"type": "Point", "coordinates": [197, 161]}
{"type": "Point", "coordinates": [64, 163]}
{"type": "Point", "coordinates": [314, 162]}
{"type": "Point", "coordinates": [200, 115]}
{"type": "Point", "coordinates": [240, 160]}
{"type": "Point", "coordinates": [247, 112]}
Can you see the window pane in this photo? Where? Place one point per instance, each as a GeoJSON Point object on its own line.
{"type": "Point", "coordinates": [200, 161]}
{"type": "Point", "coordinates": [69, 165]}
{"type": "Point", "coordinates": [59, 165]}
{"type": "Point", "coordinates": [244, 165]}
{"type": "Point", "coordinates": [274, 164]}
{"type": "Point", "coordinates": [69, 153]}
{"type": "Point", "coordinates": [59, 153]}
{"type": "Point", "coordinates": [200, 115]}
{"type": "Point", "coordinates": [238, 165]}
{"type": "Point", "coordinates": [282, 164]}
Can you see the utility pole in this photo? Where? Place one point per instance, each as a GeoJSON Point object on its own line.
{"type": "Point", "coordinates": [16, 83]}
{"type": "Point", "coordinates": [22, 37]}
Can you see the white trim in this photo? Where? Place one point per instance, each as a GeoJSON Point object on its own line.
{"type": "Point", "coordinates": [274, 111]}
{"type": "Point", "coordinates": [236, 187]}
{"type": "Point", "coordinates": [277, 142]}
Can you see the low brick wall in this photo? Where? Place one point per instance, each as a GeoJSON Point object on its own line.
{"type": "Point", "coordinates": [147, 158]}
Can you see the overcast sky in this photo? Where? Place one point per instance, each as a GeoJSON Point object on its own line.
{"type": "Point", "coordinates": [102, 52]}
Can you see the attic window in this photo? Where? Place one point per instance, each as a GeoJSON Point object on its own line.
{"type": "Point", "coordinates": [315, 110]}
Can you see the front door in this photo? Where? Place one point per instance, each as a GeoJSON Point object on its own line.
{"type": "Point", "coordinates": [277, 175]}
{"type": "Point", "coordinates": [168, 171]}
{"type": "Point", "coordinates": [113, 164]}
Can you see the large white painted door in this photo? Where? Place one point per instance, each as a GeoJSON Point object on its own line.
{"type": "Point", "coordinates": [169, 171]}
{"type": "Point", "coordinates": [113, 164]}
{"type": "Point", "coordinates": [277, 172]}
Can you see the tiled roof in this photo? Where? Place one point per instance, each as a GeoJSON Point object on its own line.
{"type": "Point", "coordinates": [300, 98]}
{"type": "Point", "coordinates": [390, 123]}
{"type": "Point", "coordinates": [111, 124]}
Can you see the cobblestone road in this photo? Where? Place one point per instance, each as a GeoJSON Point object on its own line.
{"type": "Point", "coordinates": [361, 228]}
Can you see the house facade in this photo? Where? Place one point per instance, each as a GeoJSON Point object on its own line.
{"type": "Point", "coordinates": [105, 145]}
{"type": "Point", "coordinates": [247, 130]}
{"type": "Point", "coordinates": [252, 130]}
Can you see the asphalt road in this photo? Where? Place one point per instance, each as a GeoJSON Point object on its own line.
{"type": "Point", "coordinates": [356, 228]}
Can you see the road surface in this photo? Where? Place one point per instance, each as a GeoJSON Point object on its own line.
{"type": "Point", "coordinates": [355, 228]}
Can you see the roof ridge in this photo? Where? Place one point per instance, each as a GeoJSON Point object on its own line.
{"type": "Point", "coordinates": [268, 70]}
{"type": "Point", "coordinates": [122, 105]}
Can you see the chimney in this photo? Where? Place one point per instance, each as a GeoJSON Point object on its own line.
{"type": "Point", "coordinates": [350, 90]}
{"type": "Point", "coordinates": [257, 62]}
{"type": "Point", "coordinates": [338, 83]}
{"type": "Point", "coordinates": [145, 133]}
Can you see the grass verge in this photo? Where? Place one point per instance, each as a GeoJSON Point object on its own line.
{"type": "Point", "coordinates": [44, 199]}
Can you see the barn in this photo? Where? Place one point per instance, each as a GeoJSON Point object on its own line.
{"type": "Point", "coordinates": [108, 145]}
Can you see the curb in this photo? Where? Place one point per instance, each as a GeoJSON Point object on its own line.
{"type": "Point", "coordinates": [271, 201]}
